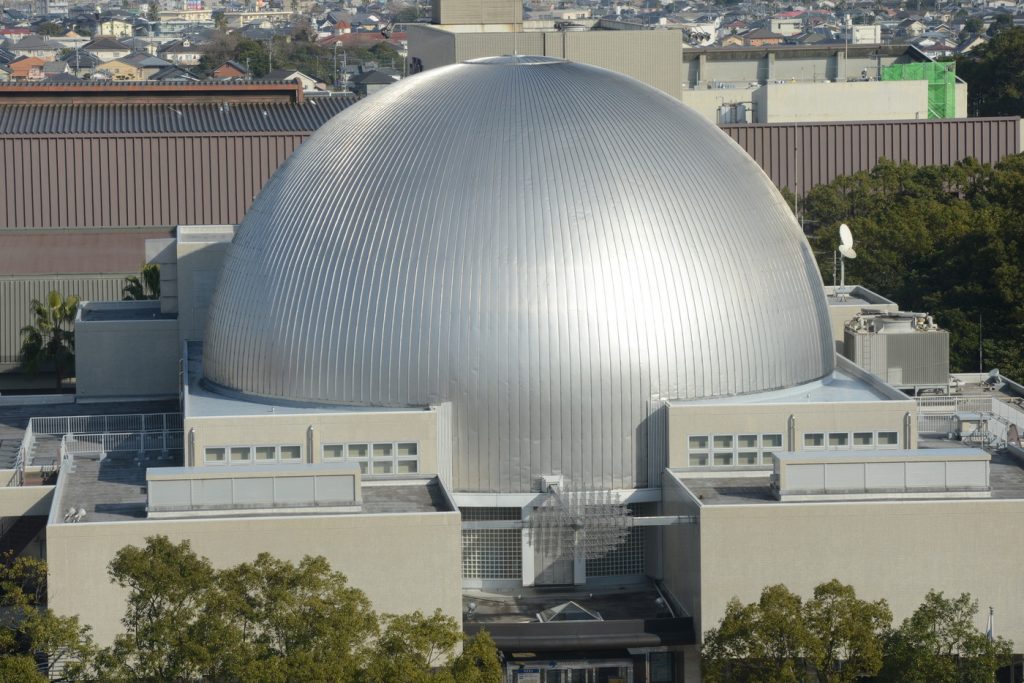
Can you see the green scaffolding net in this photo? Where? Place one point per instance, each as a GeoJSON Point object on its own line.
{"type": "Point", "coordinates": [941, 77]}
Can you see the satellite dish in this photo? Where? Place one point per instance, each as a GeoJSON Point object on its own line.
{"type": "Point", "coordinates": [847, 251]}
{"type": "Point", "coordinates": [845, 236]}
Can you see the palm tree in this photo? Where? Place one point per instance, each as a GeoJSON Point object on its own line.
{"type": "Point", "coordinates": [51, 339]}
{"type": "Point", "coordinates": [146, 287]}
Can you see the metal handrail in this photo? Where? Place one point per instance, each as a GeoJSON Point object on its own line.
{"type": "Point", "coordinates": [169, 425]}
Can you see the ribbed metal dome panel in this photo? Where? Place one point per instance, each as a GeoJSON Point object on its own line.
{"type": "Point", "coordinates": [551, 247]}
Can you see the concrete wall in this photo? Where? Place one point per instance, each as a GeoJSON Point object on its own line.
{"type": "Point", "coordinates": [477, 12]}
{"type": "Point", "coordinates": [403, 562]}
{"type": "Point", "coordinates": [788, 102]}
{"type": "Point", "coordinates": [752, 418]}
{"type": "Point", "coordinates": [331, 428]}
{"type": "Point", "coordinates": [122, 358]}
{"type": "Point", "coordinates": [892, 550]}
{"type": "Point", "coordinates": [854, 101]}
{"type": "Point", "coordinates": [18, 501]}
{"type": "Point", "coordinates": [200, 253]}
{"type": "Point", "coordinates": [649, 56]}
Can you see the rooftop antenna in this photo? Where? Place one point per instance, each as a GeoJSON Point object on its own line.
{"type": "Point", "coordinates": [846, 251]}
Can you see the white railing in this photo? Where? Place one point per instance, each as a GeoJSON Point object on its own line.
{"type": "Point", "coordinates": [937, 415]}
{"type": "Point", "coordinates": [21, 461]}
{"type": "Point", "coordinates": [100, 424]}
{"type": "Point", "coordinates": [145, 431]}
{"type": "Point", "coordinates": [135, 443]}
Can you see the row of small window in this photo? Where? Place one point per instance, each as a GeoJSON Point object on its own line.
{"type": "Point", "coordinates": [721, 442]}
{"type": "Point", "coordinates": [377, 458]}
{"type": "Point", "coordinates": [243, 455]}
{"type": "Point", "coordinates": [752, 449]}
{"type": "Point", "coordinates": [836, 440]}
{"type": "Point", "coordinates": [733, 449]}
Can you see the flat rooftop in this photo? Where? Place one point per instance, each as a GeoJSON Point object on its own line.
{"type": "Point", "coordinates": [114, 490]}
{"type": "Point", "coordinates": [14, 421]}
{"type": "Point", "coordinates": [839, 387]}
{"type": "Point", "coordinates": [1006, 478]}
{"type": "Point", "coordinates": [202, 401]}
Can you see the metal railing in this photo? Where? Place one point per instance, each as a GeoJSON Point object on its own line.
{"type": "Point", "coordinates": [21, 461]}
{"type": "Point", "coordinates": [138, 432]}
{"type": "Point", "coordinates": [134, 443]}
{"type": "Point", "coordinates": [100, 424]}
{"type": "Point", "coordinates": [937, 415]}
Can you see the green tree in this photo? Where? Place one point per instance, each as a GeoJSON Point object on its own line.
{"type": "Point", "coordinates": [848, 633]}
{"type": "Point", "coordinates": [153, 12]}
{"type": "Point", "coordinates": [272, 620]}
{"type": "Point", "coordinates": [49, 28]}
{"type": "Point", "coordinates": [1003, 22]}
{"type": "Point", "coordinates": [995, 75]}
{"type": "Point", "coordinates": [50, 341]}
{"type": "Point", "coordinates": [914, 226]}
{"type": "Point", "coordinates": [479, 662]}
{"type": "Point", "coordinates": [973, 26]}
{"type": "Point", "coordinates": [764, 641]}
{"type": "Point", "coordinates": [939, 643]}
{"type": "Point", "coordinates": [165, 618]}
{"type": "Point", "coordinates": [30, 631]}
{"type": "Point", "coordinates": [144, 286]}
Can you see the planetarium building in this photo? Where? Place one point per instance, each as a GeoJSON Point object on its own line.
{"type": "Point", "coordinates": [520, 339]}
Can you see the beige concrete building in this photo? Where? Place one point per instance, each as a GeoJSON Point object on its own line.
{"type": "Point", "coordinates": [509, 374]}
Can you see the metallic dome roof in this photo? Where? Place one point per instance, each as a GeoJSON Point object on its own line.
{"type": "Point", "coordinates": [552, 247]}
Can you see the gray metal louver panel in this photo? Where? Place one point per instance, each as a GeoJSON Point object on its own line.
{"type": "Point", "coordinates": [479, 234]}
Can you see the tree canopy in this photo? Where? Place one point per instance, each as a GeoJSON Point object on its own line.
{"type": "Point", "coordinates": [30, 632]}
{"type": "Point", "coordinates": [835, 637]}
{"type": "Point", "coordinates": [939, 643]}
{"type": "Point", "coordinates": [995, 72]}
{"type": "Point", "coordinates": [948, 240]}
{"type": "Point", "coordinates": [49, 340]}
{"type": "Point", "coordinates": [780, 638]}
{"type": "Point", "coordinates": [273, 620]}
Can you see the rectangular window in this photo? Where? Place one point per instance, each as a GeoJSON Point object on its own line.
{"type": "Point", "coordinates": [838, 440]}
{"type": "Point", "coordinates": [723, 441]}
{"type": "Point", "coordinates": [334, 451]}
{"type": "Point", "coordinates": [814, 440]}
{"type": "Point", "coordinates": [382, 466]}
{"type": "Point", "coordinates": [698, 459]}
{"type": "Point", "coordinates": [291, 453]}
{"type": "Point", "coordinates": [766, 459]}
{"type": "Point", "coordinates": [241, 454]}
{"type": "Point", "coordinates": [746, 458]}
{"type": "Point", "coordinates": [747, 440]}
{"type": "Point", "coordinates": [888, 439]}
{"type": "Point", "coordinates": [698, 443]}
{"type": "Point", "coordinates": [408, 450]}
{"type": "Point", "coordinates": [216, 456]}
{"type": "Point", "coordinates": [771, 441]}
{"type": "Point", "coordinates": [408, 466]}
{"type": "Point", "coordinates": [358, 450]}
{"type": "Point", "coordinates": [265, 453]}
{"type": "Point", "coordinates": [722, 459]}
{"type": "Point", "coordinates": [863, 439]}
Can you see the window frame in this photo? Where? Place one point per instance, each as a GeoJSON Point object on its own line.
{"type": "Point", "coordinates": [821, 447]}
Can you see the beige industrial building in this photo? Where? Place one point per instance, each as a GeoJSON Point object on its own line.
{"type": "Point", "coordinates": [508, 374]}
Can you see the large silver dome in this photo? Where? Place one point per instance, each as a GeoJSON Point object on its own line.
{"type": "Point", "coordinates": [552, 247]}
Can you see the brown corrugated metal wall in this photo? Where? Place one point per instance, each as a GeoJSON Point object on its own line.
{"type": "Point", "coordinates": [16, 294]}
{"type": "Point", "coordinates": [802, 155]}
{"type": "Point", "coordinates": [151, 180]}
